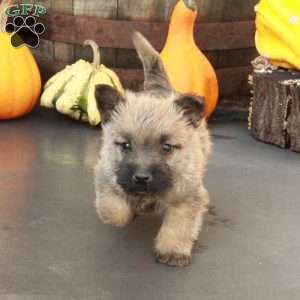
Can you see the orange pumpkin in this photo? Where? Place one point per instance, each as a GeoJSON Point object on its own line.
{"type": "Point", "coordinates": [187, 67]}
{"type": "Point", "coordinates": [20, 80]}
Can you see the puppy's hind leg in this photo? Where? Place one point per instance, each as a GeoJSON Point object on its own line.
{"type": "Point", "coordinates": [114, 210]}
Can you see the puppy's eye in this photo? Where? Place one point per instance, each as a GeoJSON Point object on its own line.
{"type": "Point", "coordinates": [126, 146]}
{"type": "Point", "coordinates": [167, 148]}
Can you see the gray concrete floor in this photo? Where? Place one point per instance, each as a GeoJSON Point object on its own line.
{"type": "Point", "coordinates": [52, 245]}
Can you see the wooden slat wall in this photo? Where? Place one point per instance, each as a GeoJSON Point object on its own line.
{"type": "Point", "coordinates": [117, 34]}
{"type": "Point", "coordinates": [226, 10]}
{"type": "Point", "coordinates": [154, 10]}
{"type": "Point", "coordinates": [63, 51]}
{"type": "Point", "coordinates": [104, 9]}
{"type": "Point", "coordinates": [210, 11]}
{"type": "Point", "coordinates": [68, 52]}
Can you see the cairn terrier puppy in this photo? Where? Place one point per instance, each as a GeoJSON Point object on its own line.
{"type": "Point", "coordinates": [153, 154]}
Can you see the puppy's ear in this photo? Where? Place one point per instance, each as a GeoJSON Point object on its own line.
{"type": "Point", "coordinates": [154, 71]}
{"type": "Point", "coordinates": [192, 108]}
{"type": "Point", "coordinates": [107, 99]}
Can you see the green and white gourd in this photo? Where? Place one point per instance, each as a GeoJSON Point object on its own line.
{"type": "Point", "coordinates": [72, 90]}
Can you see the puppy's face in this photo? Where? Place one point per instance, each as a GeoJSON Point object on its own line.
{"type": "Point", "coordinates": [141, 149]}
{"type": "Point", "coordinates": [147, 136]}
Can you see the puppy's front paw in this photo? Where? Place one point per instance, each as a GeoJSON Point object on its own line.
{"type": "Point", "coordinates": [173, 259]}
{"type": "Point", "coordinates": [118, 214]}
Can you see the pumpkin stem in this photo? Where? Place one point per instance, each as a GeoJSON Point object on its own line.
{"type": "Point", "coordinates": [3, 17]}
{"type": "Point", "coordinates": [191, 4]}
{"type": "Point", "coordinates": [96, 52]}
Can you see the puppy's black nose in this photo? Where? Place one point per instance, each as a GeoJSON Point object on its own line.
{"type": "Point", "coordinates": [142, 178]}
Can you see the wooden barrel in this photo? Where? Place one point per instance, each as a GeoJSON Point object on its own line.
{"type": "Point", "coordinates": [225, 32]}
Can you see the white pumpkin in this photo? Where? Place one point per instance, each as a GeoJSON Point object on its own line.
{"type": "Point", "coordinates": [72, 90]}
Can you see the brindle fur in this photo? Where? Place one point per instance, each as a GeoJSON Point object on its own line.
{"type": "Point", "coordinates": [149, 119]}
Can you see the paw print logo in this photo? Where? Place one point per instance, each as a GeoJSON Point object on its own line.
{"type": "Point", "coordinates": [25, 31]}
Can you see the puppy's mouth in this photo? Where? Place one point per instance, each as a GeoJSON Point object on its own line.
{"type": "Point", "coordinates": [137, 191]}
{"type": "Point", "coordinates": [143, 191]}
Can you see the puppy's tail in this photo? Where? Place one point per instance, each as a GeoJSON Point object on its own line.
{"type": "Point", "coordinates": [155, 74]}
